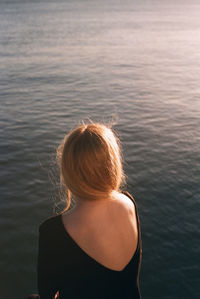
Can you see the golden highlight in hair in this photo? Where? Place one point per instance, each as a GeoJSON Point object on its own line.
{"type": "Point", "coordinates": [90, 162]}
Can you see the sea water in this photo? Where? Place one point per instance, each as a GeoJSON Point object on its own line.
{"type": "Point", "coordinates": [135, 64]}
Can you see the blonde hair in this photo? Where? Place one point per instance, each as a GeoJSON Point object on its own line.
{"type": "Point", "coordinates": [90, 162]}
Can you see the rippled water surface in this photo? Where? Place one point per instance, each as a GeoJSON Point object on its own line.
{"type": "Point", "coordinates": [137, 63]}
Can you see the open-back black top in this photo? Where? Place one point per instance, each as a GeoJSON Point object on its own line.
{"type": "Point", "coordinates": [63, 266]}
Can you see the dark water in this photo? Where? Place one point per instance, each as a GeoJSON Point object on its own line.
{"type": "Point", "coordinates": [136, 63]}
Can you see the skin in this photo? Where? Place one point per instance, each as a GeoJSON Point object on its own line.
{"type": "Point", "coordinates": [106, 230]}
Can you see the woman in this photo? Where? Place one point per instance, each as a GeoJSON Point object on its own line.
{"type": "Point", "coordinates": [92, 250]}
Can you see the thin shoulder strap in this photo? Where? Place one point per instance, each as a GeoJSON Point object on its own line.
{"type": "Point", "coordinates": [139, 236]}
{"type": "Point", "coordinates": [133, 200]}
{"type": "Point", "coordinates": [137, 216]}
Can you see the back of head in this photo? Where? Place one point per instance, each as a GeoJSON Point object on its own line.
{"type": "Point", "coordinates": [90, 162]}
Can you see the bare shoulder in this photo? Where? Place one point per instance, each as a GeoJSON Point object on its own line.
{"type": "Point", "coordinates": [123, 229]}
{"type": "Point", "coordinates": [123, 214]}
{"type": "Point", "coordinates": [124, 205]}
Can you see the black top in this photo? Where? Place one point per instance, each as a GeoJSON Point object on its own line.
{"type": "Point", "coordinates": [63, 266]}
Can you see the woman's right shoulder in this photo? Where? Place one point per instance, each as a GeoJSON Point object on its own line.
{"type": "Point", "coordinates": [125, 201]}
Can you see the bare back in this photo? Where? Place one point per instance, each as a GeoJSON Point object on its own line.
{"type": "Point", "coordinates": [107, 231]}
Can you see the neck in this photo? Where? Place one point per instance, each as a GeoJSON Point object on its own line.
{"type": "Point", "coordinates": [79, 203]}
